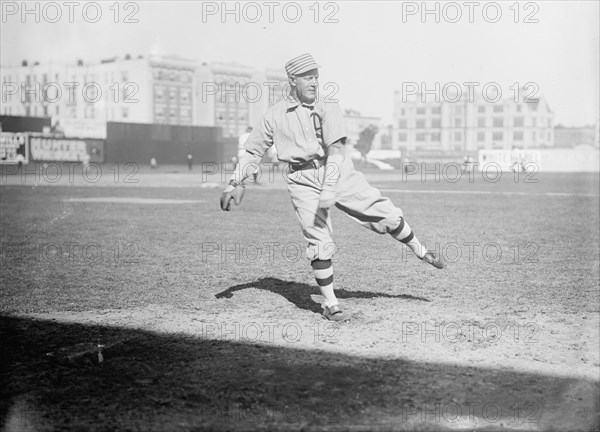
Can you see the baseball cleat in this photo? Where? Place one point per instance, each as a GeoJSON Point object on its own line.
{"type": "Point", "coordinates": [334, 313]}
{"type": "Point", "coordinates": [436, 261]}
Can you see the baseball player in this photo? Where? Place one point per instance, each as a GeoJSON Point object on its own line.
{"type": "Point", "coordinates": [309, 136]}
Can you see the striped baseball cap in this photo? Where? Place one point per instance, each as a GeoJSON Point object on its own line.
{"type": "Point", "coordinates": [300, 64]}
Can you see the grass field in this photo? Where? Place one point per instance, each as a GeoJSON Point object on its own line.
{"type": "Point", "coordinates": [210, 320]}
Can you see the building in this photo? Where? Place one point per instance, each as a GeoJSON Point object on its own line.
{"type": "Point", "coordinates": [385, 138]}
{"type": "Point", "coordinates": [82, 97]}
{"type": "Point", "coordinates": [270, 86]}
{"type": "Point", "coordinates": [223, 92]}
{"type": "Point", "coordinates": [235, 96]}
{"type": "Point", "coordinates": [574, 136]}
{"type": "Point", "coordinates": [469, 125]}
{"type": "Point", "coordinates": [172, 90]}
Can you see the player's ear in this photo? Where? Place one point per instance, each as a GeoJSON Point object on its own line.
{"type": "Point", "coordinates": [292, 80]}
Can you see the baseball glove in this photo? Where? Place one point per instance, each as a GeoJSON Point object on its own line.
{"type": "Point", "coordinates": [233, 192]}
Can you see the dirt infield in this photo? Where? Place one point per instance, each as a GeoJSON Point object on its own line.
{"type": "Point", "coordinates": [210, 321]}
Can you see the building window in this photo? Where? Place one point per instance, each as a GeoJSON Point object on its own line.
{"type": "Point", "coordinates": [457, 122]}
{"type": "Point", "coordinates": [128, 94]}
{"type": "Point", "coordinates": [519, 122]}
{"type": "Point", "coordinates": [402, 111]}
{"type": "Point", "coordinates": [498, 122]}
{"type": "Point", "coordinates": [402, 137]}
{"type": "Point", "coordinates": [420, 111]}
{"type": "Point", "coordinates": [533, 136]}
{"type": "Point", "coordinates": [185, 96]}
{"type": "Point", "coordinates": [124, 112]}
{"type": "Point", "coordinates": [534, 120]}
{"type": "Point", "coordinates": [480, 136]}
{"type": "Point", "coordinates": [88, 112]}
{"type": "Point", "coordinates": [72, 98]}
{"type": "Point", "coordinates": [159, 95]}
{"type": "Point", "coordinates": [481, 122]}
{"type": "Point", "coordinates": [518, 136]}
{"type": "Point", "coordinates": [436, 123]}
{"type": "Point", "coordinates": [481, 109]}
{"type": "Point", "coordinates": [497, 136]}
{"type": "Point", "coordinates": [457, 136]}
{"type": "Point", "coordinates": [402, 124]}
{"type": "Point", "coordinates": [420, 137]}
{"type": "Point", "coordinates": [498, 108]}
{"type": "Point", "coordinates": [519, 108]}
{"type": "Point", "coordinates": [436, 136]}
{"type": "Point", "coordinates": [421, 124]}
{"type": "Point", "coordinates": [436, 110]}
{"type": "Point", "coordinates": [124, 76]}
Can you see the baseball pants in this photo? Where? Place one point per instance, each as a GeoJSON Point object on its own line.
{"type": "Point", "coordinates": [355, 197]}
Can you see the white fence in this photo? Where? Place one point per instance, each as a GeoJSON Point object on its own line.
{"type": "Point", "coordinates": [579, 159]}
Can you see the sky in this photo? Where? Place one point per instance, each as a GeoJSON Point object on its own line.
{"type": "Point", "coordinates": [367, 49]}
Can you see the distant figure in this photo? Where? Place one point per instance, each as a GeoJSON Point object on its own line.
{"type": "Point", "coordinates": [153, 163]}
{"type": "Point", "coordinates": [516, 159]}
{"type": "Point", "coordinates": [57, 130]}
{"type": "Point", "coordinates": [190, 161]}
{"type": "Point", "coordinates": [19, 159]}
{"type": "Point", "coordinates": [85, 160]}
{"type": "Point", "coordinates": [469, 164]}
{"type": "Point", "coordinates": [241, 150]}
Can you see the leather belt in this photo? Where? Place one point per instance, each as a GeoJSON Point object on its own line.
{"type": "Point", "coordinates": [313, 163]}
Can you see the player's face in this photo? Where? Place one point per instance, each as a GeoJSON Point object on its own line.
{"type": "Point", "coordinates": [306, 85]}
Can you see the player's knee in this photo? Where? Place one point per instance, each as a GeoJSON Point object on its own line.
{"type": "Point", "coordinates": [385, 226]}
{"type": "Point", "coordinates": [320, 251]}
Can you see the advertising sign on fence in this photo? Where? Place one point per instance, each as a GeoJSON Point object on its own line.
{"type": "Point", "coordinates": [13, 147]}
{"type": "Point", "coordinates": [66, 149]}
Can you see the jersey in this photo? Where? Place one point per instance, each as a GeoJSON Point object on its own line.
{"type": "Point", "coordinates": [300, 132]}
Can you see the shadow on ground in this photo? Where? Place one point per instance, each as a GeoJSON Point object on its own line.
{"type": "Point", "coordinates": [51, 380]}
{"type": "Point", "coordinates": [300, 293]}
